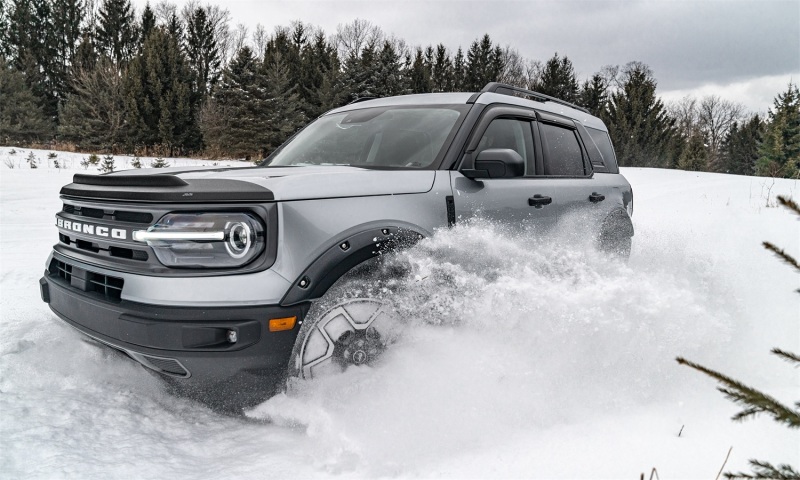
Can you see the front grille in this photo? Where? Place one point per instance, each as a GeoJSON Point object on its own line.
{"type": "Point", "coordinates": [119, 252]}
{"type": "Point", "coordinates": [118, 215]}
{"type": "Point", "coordinates": [109, 287]}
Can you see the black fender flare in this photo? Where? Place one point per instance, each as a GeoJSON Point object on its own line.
{"type": "Point", "coordinates": [348, 252]}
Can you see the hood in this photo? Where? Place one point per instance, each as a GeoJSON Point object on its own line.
{"type": "Point", "coordinates": [254, 184]}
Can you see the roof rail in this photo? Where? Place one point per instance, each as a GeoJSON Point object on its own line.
{"type": "Point", "coordinates": [362, 99]}
{"type": "Point", "coordinates": [504, 89]}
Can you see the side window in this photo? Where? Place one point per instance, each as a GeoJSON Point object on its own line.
{"type": "Point", "coordinates": [603, 143]}
{"type": "Point", "coordinates": [562, 152]}
{"type": "Point", "coordinates": [509, 133]}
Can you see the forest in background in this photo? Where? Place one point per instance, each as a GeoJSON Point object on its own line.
{"type": "Point", "coordinates": [102, 77]}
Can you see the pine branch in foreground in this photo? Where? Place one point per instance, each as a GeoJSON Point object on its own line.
{"type": "Point", "coordinates": [781, 254]}
{"type": "Point", "coordinates": [765, 470]}
{"type": "Point", "coordinates": [788, 356]}
{"type": "Point", "coordinates": [755, 402]}
{"type": "Point", "coordinates": [789, 203]}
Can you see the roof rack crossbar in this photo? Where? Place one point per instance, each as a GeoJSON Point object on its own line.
{"type": "Point", "coordinates": [505, 89]}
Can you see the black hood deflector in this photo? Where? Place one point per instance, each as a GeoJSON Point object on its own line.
{"type": "Point", "coordinates": [165, 188]}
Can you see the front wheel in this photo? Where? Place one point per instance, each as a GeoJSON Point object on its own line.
{"type": "Point", "coordinates": [352, 332]}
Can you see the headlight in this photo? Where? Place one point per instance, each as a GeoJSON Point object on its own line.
{"type": "Point", "coordinates": [205, 240]}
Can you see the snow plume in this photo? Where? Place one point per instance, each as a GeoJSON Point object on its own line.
{"type": "Point", "coordinates": [505, 334]}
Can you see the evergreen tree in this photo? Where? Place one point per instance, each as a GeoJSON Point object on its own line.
{"type": "Point", "coordinates": [695, 155]}
{"type": "Point", "coordinates": [779, 155]}
{"type": "Point", "coordinates": [420, 75]}
{"type": "Point", "coordinates": [5, 45]}
{"type": "Point", "coordinates": [148, 22]}
{"type": "Point", "coordinates": [159, 163]}
{"type": "Point", "coordinates": [158, 96]}
{"type": "Point", "coordinates": [93, 116]}
{"type": "Point", "coordinates": [21, 116]}
{"type": "Point", "coordinates": [754, 401]}
{"type": "Point", "coordinates": [637, 122]}
{"type": "Point", "coordinates": [389, 78]}
{"type": "Point", "coordinates": [282, 104]}
{"type": "Point", "coordinates": [32, 50]}
{"type": "Point", "coordinates": [484, 64]}
{"type": "Point", "coordinates": [236, 119]}
{"type": "Point", "coordinates": [319, 76]}
{"type": "Point", "coordinates": [358, 78]}
{"type": "Point", "coordinates": [202, 52]}
{"type": "Point", "coordinates": [117, 31]}
{"type": "Point", "coordinates": [107, 165]}
{"type": "Point", "coordinates": [442, 71]}
{"type": "Point", "coordinates": [558, 79]}
{"type": "Point", "coordinates": [67, 17]}
{"type": "Point", "coordinates": [593, 95]}
{"type": "Point", "coordinates": [459, 72]}
{"type": "Point", "coordinates": [740, 147]}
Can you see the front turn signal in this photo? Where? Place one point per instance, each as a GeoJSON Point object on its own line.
{"type": "Point", "coordinates": [281, 324]}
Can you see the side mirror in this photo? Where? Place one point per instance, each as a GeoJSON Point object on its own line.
{"type": "Point", "coordinates": [497, 163]}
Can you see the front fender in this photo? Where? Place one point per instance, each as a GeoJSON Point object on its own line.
{"type": "Point", "coordinates": [349, 251]}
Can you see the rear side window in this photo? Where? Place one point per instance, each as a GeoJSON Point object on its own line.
{"type": "Point", "coordinates": [603, 143]}
{"type": "Point", "coordinates": [562, 152]}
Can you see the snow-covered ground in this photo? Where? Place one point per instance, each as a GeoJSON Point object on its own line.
{"type": "Point", "coordinates": [534, 361]}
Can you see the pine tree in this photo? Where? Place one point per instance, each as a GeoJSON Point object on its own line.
{"type": "Point", "coordinates": [236, 119]}
{"type": "Point", "coordinates": [442, 71]}
{"type": "Point", "coordinates": [420, 75]}
{"type": "Point", "coordinates": [32, 50]}
{"type": "Point", "coordinates": [117, 32]}
{"type": "Point", "coordinates": [459, 72]}
{"type": "Point", "coordinates": [484, 64]}
{"type": "Point", "coordinates": [389, 78]}
{"type": "Point", "coordinates": [202, 52]}
{"type": "Point", "coordinates": [148, 22]}
{"type": "Point", "coordinates": [136, 162]}
{"type": "Point", "coordinates": [32, 161]}
{"type": "Point", "coordinates": [107, 166]}
{"type": "Point", "coordinates": [637, 121]}
{"type": "Point", "coordinates": [22, 119]}
{"type": "Point", "coordinates": [66, 19]}
{"type": "Point", "coordinates": [558, 79]}
{"type": "Point", "coordinates": [740, 147]}
{"type": "Point", "coordinates": [159, 106]}
{"type": "Point", "coordinates": [319, 76]}
{"type": "Point", "coordinates": [695, 155]}
{"type": "Point", "coordinates": [754, 401]}
{"type": "Point", "coordinates": [593, 95]}
{"type": "Point", "coordinates": [159, 163]}
{"type": "Point", "coordinates": [779, 155]}
{"type": "Point", "coordinates": [283, 104]}
{"type": "Point", "coordinates": [93, 115]}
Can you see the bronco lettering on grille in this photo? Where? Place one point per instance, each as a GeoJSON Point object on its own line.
{"type": "Point", "coordinates": [89, 229]}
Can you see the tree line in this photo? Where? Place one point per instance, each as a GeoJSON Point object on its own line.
{"type": "Point", "coordinates": [103, 77]}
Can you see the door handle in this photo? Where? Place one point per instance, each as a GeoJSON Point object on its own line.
{"type": "Point", "coordinates": [539, 201]}
{"type": "Point", "coordinates": [596, 197]}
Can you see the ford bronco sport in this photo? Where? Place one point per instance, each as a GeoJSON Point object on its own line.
{"type": "Point", "coordinates": [208, 276]}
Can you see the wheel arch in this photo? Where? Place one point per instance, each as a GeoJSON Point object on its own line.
{"type": "Point", "coordinates": [352, 248]}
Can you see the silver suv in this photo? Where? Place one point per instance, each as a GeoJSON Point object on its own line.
{"type": "Point", "coordinates": [220, 279]}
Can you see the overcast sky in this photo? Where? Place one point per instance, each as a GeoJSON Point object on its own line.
{"type": "Point", "coordinates": [747, 51]}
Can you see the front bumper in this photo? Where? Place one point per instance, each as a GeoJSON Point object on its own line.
{"type": "Point", "coordinates": [188, 346]}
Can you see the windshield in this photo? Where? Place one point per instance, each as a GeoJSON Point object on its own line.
{"type": "Point", "coordinates": [372, 138]}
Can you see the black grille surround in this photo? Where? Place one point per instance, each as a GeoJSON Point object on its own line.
{"type": "Point", "coordinates": [126, 255]}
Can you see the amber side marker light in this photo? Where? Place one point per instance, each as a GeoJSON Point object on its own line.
{"type": "Point", "coordinates": [281, 324]}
